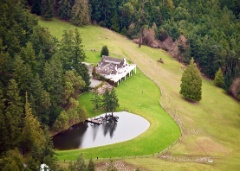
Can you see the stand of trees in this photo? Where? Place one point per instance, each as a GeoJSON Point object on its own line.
{"type": "Point", "coordinates": [108, 101]}
{"type": "Point", "coordinates": [51, 72]}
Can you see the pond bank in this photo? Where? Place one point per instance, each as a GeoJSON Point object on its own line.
{"type": "Point", "coordinates": [88, 135]}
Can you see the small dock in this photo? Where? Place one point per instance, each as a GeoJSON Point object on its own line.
{"type": "Point", "coordinates": [100, 120]}
{"type": "Point", "coordinates": [94, 121]}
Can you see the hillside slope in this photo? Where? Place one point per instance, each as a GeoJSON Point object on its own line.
{"type": "Point", "coordinates": [210, 127]}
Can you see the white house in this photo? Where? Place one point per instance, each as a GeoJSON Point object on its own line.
{"type": "Point", "coordinates": [115, 69]}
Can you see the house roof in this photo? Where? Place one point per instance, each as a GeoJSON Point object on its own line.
{"type": "Point", "coordinates": [109, 65]}
{"type": "Point", "coordinates": [108, 59]}
{"type": "Point", "coordinates": [114, 68]}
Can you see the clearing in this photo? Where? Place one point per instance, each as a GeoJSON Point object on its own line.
{"type": "Point", "coordinates": [210, 128]}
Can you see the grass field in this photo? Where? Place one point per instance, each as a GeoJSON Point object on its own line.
{"type": "Point", "coordinates": [210, 128]}
{"type": "Point", "coordinates": [136, 98]}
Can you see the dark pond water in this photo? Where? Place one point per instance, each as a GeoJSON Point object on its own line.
{"type": "Point", "coordinates": [86, 135]}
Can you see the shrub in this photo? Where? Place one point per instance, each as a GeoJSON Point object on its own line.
{"type": "Point", "coordinates": [191, 87]}
{"type": "Point", "coordinates": [104, 51]}
{"type": "Point", "coordinates": [219, 78]}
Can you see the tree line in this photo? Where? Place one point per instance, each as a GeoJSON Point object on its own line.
{"type": "Point", "coordinates": [41, 78]}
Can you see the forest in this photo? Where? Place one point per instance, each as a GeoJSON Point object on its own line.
{"type": "Point", "coordinates": [41, 77]}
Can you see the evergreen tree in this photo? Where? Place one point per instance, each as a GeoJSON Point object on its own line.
{"type": "Point", "coordinates": [115, 22]}
{"type": "Point", "coordinates": [219, 78]}
{"type": "Point", "coordinates": [47, 9]}
{"type": "Point", "coordinates": [12, 160]}
{"type": "Point", "coordinates": [40, 62]}
{"type": "Point", "coordinates": [95, 10]}
{"type": "Point", "coordinates": [227, 80]}
{"type": "Point", "coordinates": [96, 100]}
{"type": "Point", "coordinates": [36, 7]}
{"type": "Point", "coordinates": [80, 13]}
{"type": "Point", "coordinates": [28, 56]}
{"type": "Point", "coordinates": [191, 86]}
{"type": "Point", "coordinates": [16, 26]}
{"type": "Point", "coordinates": [3, 126]}
{"type": "Point", "coordinates": [71, 50]}
{"type": "Point", "coordinates": [54, 85]}
{"type": "Point", "coordinates": [32, 134]}
{"type": "Point", "coordinates": [83, 72]}
{"type": "Point", "coordinates": [64, 9]}
{"type": "Point", "coordinates": [66, 49]}
{"type": "Point", "coordinates": [124, 31]}
{"type": "Point", "coordinates": [40, 100]}
{"type": "Point", "coordinates": [13, 115]}
{"type": "Point", "coordinates": [110, 101]}
{"type": "Point", "coordinates": [5, 65]}
{"type": "Point", "coordinates": [78, 52]}
{"type": "Point", "coordinates": [72, 55]}
{"type": "Point", "coordinates": [36, 141]}
{"type": "Point", "coordinates": [48, 154]}
{"type": "Point", "coordinates": [104, 51]}
{"type": "Point", "coordinates": [23, 75]}
{"type": "Point", "coordinates": [43, 41]}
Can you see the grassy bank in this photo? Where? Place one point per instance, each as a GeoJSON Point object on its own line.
{"type": "Point", "coordinates": [134, 96]}
{"type": "Point", "coordinates": [210, 127]}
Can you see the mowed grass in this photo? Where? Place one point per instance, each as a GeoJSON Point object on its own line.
{"type": "Point", "coordinates": [210, 127]}
{"type": "Point", "coordinates": [134, 96]}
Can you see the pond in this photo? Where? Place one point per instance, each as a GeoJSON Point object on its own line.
{"type": "Point", "coordinates": [87, 135]}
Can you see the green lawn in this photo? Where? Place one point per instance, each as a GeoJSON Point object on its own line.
{"type": "Point", "coordinates": [210, 127]}
{"type": "Point", "coordinates": [134, 96]}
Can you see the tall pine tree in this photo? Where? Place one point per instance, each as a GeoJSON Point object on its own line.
{"type": "Point", "coordinates": [80, 13]}
{"type": "Point", "coordinates": [36, 7]}
{"type": "Point", "coordinates": [219, 78]}
{"type": "Point", "coordinates": [47, 9]}
{"type": "Point", "coordinates": [13, 115]}
{"type": "Point", "coordinates": [110, 101]}
{"type": "Point", "coordinates": [64, 9]}
{"type": "Point", "coordinates": [191, 86]}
